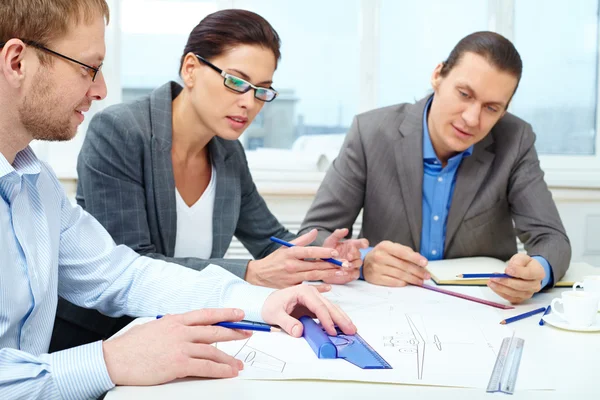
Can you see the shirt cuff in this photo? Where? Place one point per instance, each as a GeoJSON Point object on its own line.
{"type": "Point", "coordinates": [363, 254]}
{"type": "Point", "coordinates": [249, 298]}
{"type": "Point", "coordinates": [548, 277]}
{"type": "Point", "coordinates": [80, 372]}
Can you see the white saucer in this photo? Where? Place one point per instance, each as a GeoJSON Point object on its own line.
{"type": "Point", "coordinates": [558, 322]}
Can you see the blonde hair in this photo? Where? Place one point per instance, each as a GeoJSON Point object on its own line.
{"type": "Point", "coordinates": [45, 20]}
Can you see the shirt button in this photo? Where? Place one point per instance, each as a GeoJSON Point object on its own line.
{"type": "Point", "coordinates": [440, 179]}
{"type": "Point", "coordinates": [435, 217]}
{"type": "Point", "coordinates": [434, 252]}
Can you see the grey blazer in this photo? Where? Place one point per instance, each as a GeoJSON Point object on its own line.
{"type": "Point", "coordinates": [126, 182]}
{"type": "Point", "coordinates": [380, 169]}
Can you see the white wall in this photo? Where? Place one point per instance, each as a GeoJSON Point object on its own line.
{"type": "Point", "coordinates": [290, 195]}
{"type": "Point", "coordinates": [580, 213]}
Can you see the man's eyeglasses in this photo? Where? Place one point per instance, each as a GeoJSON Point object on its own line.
{"type": "Point", "coordinates": [92, 71]}
{"type": "Point", "coordinates": [241, 86]}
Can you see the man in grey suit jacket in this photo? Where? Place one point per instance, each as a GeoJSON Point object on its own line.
{"type": "Point", "coordinates": [451, 176]}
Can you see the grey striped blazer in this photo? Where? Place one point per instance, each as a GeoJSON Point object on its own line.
{"type": "Point", "coordinates": [126, 182]}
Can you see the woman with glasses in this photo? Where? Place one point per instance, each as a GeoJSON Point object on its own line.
{"type": "Point", "coordinates": [167, 176]}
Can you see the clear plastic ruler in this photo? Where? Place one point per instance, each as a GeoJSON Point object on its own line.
{"type": "Point", "coordinates": [504, 375]}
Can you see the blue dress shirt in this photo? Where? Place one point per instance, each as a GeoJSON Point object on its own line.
{"type": "Point", "coordinates": [438, 188]}
{"type": "Point", "coordinates": [51, 248]}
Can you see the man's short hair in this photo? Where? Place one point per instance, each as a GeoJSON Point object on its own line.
{"type": "Point", "coordinates": [42, 21]}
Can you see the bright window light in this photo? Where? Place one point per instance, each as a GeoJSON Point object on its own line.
{"type": "Point", "coordinates": [163, 17]}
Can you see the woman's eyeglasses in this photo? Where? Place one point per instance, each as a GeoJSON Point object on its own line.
{"type": "Point", "coordinates": [241, 86]}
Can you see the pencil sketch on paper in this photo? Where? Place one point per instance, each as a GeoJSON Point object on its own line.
{"type": "Point", "coordinates": [259, 359]}
{"type": "Point", "coordinates": [412, 338]}
{"type": "Point", "coordinates": [412, 342]}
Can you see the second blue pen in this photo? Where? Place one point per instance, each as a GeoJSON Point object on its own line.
{"type": "Point", "coordinates": [244, 325]}
{"type": "Point", "coordinates": [521, 316]}
{"type": "Point", "coordinates": [288, 244]}
{"type": "Point", "coordinates": [545, 313]}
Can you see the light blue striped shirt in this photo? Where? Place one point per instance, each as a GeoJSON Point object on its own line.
{"type": "Point", "coordinates": [50, 247]}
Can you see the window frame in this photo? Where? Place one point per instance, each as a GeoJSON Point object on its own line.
{"type": "Point", "coordinates": [561, 170]}
{"type": "Point", "coordinates": [577, 171]}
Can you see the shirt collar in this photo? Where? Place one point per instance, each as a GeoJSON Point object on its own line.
{"type": "Point", "coordinates": [428, 151]}
{"type": "Point", "coordinates": [26, 163]}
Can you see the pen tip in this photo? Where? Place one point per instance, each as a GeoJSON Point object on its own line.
{"type": "Point", "coordinates": [503, 322]}
{"type": "Point", "coordinates": [273, 329]}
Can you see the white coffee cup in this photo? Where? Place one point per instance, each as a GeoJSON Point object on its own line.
{"type": "Point", "coordinates": [591, 283]}
{"type": "Point", "coordinates": [580, 308]}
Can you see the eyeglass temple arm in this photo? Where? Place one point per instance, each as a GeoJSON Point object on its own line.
{"type": "Point", "coordinates": [208, 63]}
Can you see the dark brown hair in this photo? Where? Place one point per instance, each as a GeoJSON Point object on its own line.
{"type": "Point", "coordinates": [225, 29]}
{"type": "Point", "coordinates": [495, 48]}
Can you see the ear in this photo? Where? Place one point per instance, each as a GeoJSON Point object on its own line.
{"type": "Point", "coordinates": [189, 66]}
{"type": "Point", "coordinates": [12, 62]}
{"type": "Point", "coordinates": [436, 77]}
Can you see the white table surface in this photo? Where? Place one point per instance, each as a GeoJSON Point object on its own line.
{"type": "Point", "coordinates": [574, 356]}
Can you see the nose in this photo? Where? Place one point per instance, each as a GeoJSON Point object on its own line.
{"type": "Point", "coordinates": [247, 100]}
{"type": "Point", "coordinates": [471, 114]}
{"type": "Point", "coordinates": [98, 90]}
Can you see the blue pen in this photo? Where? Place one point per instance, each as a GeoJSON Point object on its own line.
{"type": "Point", "coordinates": [248, 326]}
{"type": "Point", "coordinates": [288, 244]}
{"type": "Point", "coordinates": [483, 276]}
{"type": "Point", "coordinates": [244, 325]}
{"type": "Point", "coordinates": [521, 316]}
{"type": "Point", "coordinates": [545, 313]}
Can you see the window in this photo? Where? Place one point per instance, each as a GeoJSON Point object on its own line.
{"type": "Point", "coordinates": [343, 57]}
{"type": "Point", "coordinates": [415, 37]}
{"type": "Point", "coordinates": [316, 77]}
{"type": "Point", "coordinates": [153, 36]}
{"type": "Point", "coordinates": [318, 74]}
{"type": "Point", "coordinates": [255, 143]}
{"type": "Point", "coordinates": [558, 42]}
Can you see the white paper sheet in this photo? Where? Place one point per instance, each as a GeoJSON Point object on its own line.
{"type": "Point", "coordinates": [428, 338]}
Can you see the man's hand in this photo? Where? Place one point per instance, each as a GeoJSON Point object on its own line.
{"type": "Point", "coordinates": [172, 347]}
{"type": "Point", "coordinates": [528, 274]}
{"type": "Point", "coordinates": [392, 264]}
{"type": "Point", "coordinates": [284, 306]}
{"type": "Point", "coordinates": [289, 266]}
{"type": "Point", "coordinates": [348, 250]}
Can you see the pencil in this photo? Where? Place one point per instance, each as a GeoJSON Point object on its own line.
{"type": "Point", "coordinates": [287, 244]}
{"type": "Point", "coordinates": [244, 325]}
{"type": "Point", "coordinates": [521, 316]}
{"type": "Point", "coordinates": [545, 312]}
{"type": "Point", "coordinates": [466, 297]}
{"type": "Point", "coordinates": [484, 276]}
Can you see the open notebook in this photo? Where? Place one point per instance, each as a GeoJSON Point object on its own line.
{"type": "Point", "coordinates": [444, 272]}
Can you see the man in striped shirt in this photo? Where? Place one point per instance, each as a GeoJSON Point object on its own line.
{"type": "Point", "coordinates": [51, 53]}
